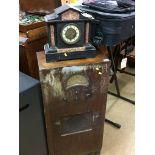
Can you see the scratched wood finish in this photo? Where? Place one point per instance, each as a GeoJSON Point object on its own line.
{"type": "Point", "coordinates": [74, 88]}
{"type": "Point", "coordinates": [36, 34]}
{"type": "Point", "coordinates": [25, 28]}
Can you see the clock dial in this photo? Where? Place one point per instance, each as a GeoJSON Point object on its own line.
{"type": "Point", "coordinates": [70, 34]}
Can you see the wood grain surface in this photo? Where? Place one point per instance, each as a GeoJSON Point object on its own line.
{"type": "Point", "coordinates": [74, 99]}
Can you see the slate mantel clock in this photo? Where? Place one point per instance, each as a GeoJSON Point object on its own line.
{"type": "Point", "coordinates": [68, 35]}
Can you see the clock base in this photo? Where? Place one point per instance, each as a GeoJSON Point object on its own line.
{"type": "Point", "coordinates": [52, 54]}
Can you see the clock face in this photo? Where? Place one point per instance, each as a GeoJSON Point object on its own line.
{"type": "Point", "coordinates": [70, 34]}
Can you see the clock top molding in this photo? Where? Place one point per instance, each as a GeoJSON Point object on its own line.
{"type": "Point", "coordinates": [66, 12]}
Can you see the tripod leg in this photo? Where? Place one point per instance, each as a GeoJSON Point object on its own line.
{"type": "Point", "coordinates": [116, 125]}
{"type": "Point", "coordinates": [115, 55]}
{"type": "Point", "coordinates": [114, 70]}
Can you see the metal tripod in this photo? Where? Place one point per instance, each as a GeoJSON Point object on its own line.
{"type": "Point", "coordinates": [114, 65]}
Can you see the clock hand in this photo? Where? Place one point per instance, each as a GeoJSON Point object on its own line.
{"type": "Point", "coordinates": [70, 34]}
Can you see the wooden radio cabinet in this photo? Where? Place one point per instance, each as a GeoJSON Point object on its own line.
{"type": "Point", "coordinates": [74, 96]}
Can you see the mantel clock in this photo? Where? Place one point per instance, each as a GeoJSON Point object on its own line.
{"type": "Point", "coordinates": [68, 35]}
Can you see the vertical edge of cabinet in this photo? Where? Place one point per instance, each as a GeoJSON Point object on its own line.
{"type": "Point", "coordinates": [48, 122]}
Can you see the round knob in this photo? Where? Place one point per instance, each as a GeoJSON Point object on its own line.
{"type": "Point", "coordinates": [65, 100]}
{"type": "Point", "coordinates": [57, 123]}
{"type": "Point", "coordinates": [88, 95]}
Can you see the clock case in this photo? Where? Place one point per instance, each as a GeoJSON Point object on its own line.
{"type": "Point", "coordinates": [56, 49]}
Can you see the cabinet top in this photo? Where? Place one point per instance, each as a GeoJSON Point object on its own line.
{"type": "Point", "coordinates": [101, 57]}
{"type": "Point", "coordinates": [39, 6]}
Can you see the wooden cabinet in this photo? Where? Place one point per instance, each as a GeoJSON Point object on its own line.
{"type": "Point", "coordinates": [33, 37]}
{"type": "Point", "coordinates": [27, 54]}
{"type": "Point", "coordinates": [39, 6]}
{"type": "Point", "coordinates": [74, 95]}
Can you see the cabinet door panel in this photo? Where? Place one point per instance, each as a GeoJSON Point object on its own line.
{"type": "Point", "coordinates": [74, 106]}
{"type": "Point", "coordinates": [78, 89]}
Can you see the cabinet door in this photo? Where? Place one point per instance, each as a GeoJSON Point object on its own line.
{"type": "Point", "coordinates": [78, 134]}
{"type": "Point", "coordinates": [76, 89]}
{"type": "Point", "coordinates": [73, 90]}
{"type": "Point", "coordinates": [74, 106]}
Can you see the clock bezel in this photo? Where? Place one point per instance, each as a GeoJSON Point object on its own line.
{"type": "Point", "coordinates": [77, 40]}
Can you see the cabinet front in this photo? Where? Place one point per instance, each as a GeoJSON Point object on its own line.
{"type": "Point", "coordinates": [74, 106]}
{"type": "Point", "coordinates": [74, 90]}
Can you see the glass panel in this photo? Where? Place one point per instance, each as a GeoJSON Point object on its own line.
{"type": "Point", "coordinates": [76, 124]}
